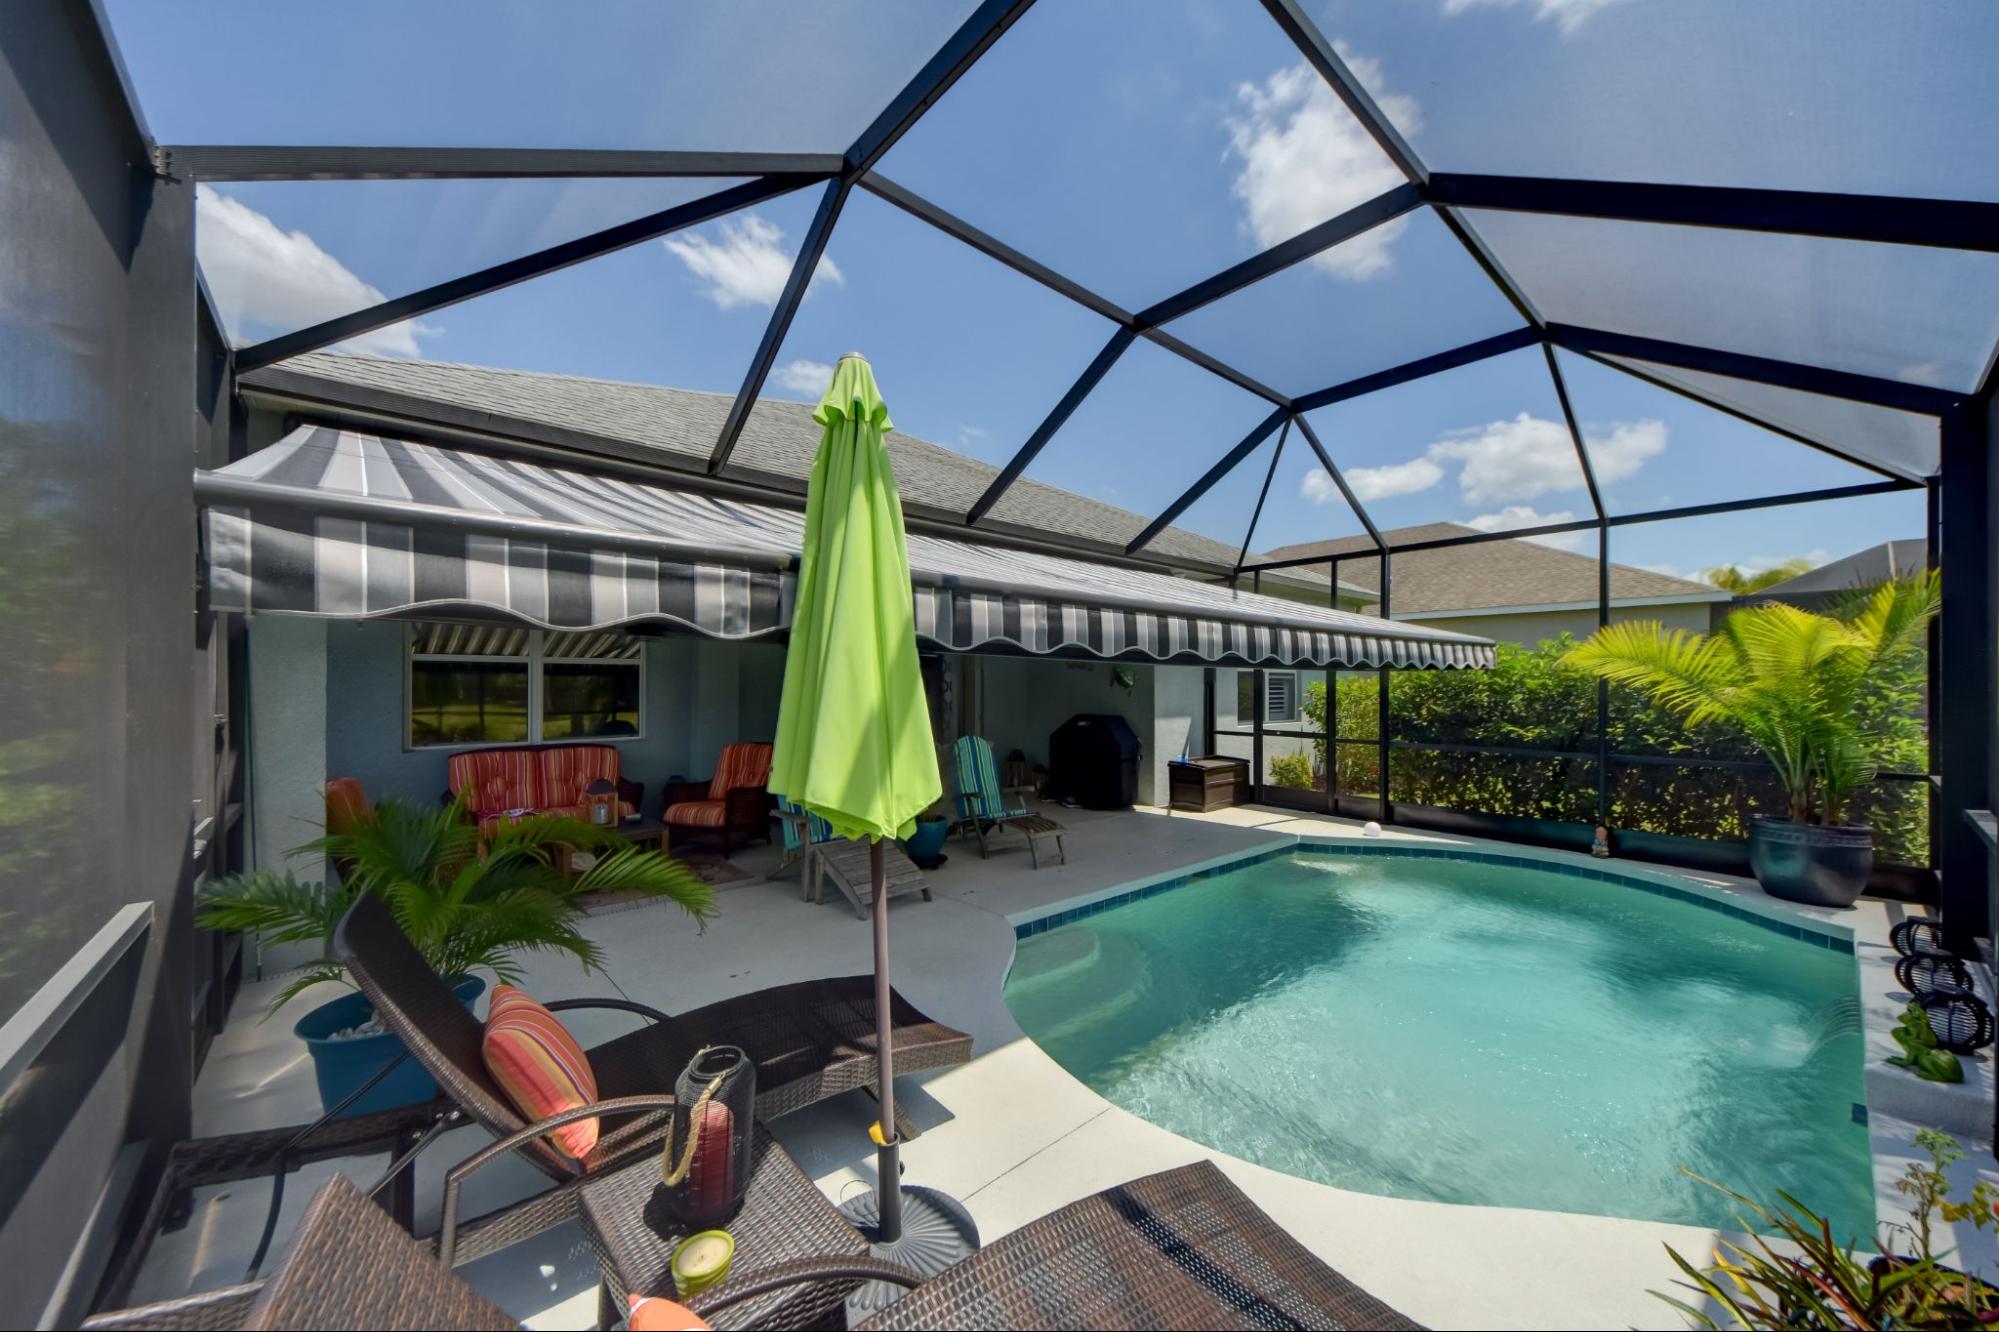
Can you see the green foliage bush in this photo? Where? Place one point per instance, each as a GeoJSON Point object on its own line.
{"type": "Point", "coordinates": [1291, 770]}
{"type": "Point", "coordinates": [1529, 701]}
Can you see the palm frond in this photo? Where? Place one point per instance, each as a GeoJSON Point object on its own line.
{"type": "Point", "coordinates": [275, 906]}
{"type": "Point", "coordinates": [1685, 672]}
{"type": "Point", "coordinates": [634, 869]}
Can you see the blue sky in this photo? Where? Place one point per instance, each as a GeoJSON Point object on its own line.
{"type": "Point", "coordinates": [1140, 147]}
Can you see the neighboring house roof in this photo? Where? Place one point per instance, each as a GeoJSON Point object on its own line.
{"type": "Point", "coordinates": [1491, 576]}
{"type": "Point", "coordinates": [1876, 564]}
{"type": "Point", "coordinates": [677, 428]}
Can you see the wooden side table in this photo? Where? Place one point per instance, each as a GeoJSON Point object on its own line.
{"type": "Point", "coordinates": [783, 1217]}
{"type": "Point", "coordinates": [1035, 827]}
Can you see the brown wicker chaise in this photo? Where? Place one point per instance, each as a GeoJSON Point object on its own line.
{"type": "Point", "coordinates": [1183, 1248]}
{"type": "Point", "coordinates": [811, 1041]}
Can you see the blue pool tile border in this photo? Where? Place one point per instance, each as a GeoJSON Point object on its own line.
{"type": "Point", "coordinates": [1838, 943]}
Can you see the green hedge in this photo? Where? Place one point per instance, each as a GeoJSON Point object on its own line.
{"type": "Point", "coordinates": [1527, 701]}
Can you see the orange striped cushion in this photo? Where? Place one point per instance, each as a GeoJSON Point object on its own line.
{"type": "Point", "coordinates": [744, 764]}
{"type": "Point", "coordinates": [497, 779]}
{"type": "Point", "coordinates": [540, 1067]}
{"type": "Point", "coordinates": [567, 770]}
{"type": "Point", "coordinates": [698, 813]}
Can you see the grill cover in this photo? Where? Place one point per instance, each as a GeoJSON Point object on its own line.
{"type": "Point", "coordinates": [1093, 760]}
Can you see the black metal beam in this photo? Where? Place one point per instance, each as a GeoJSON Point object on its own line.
{"type": "Point", "coordinates": [1201, 487]}
{"type": "Point", "coordinates": [1946, 223]}
{"type": "Point", "coordinates": [1092, 374]}
{"type": "Point", "coordinates": [1693, 394]}
{"type": "Point", "coordinates": [1339, 480]}
{"type": "Point", "coordinates": [802, 268]}
{"type": "Point", "coordinates": [1360, 218]}
{"type": "Point", "coordinates": [417, 303]}
{"type": "Point", "coordinates": [1966, 701]}
{"type": "Point", "coordinates": [255, 162]}
{"type": "Point", "coordinates": [1575, 431]}
{"type": "Point", "coordinates": [1498, 345]}
{"type": "Point", "coordinates": [1319, 53]}
{"type": "Point", "coordinates": [973, 37]}
{"type": "Point", "coordinates": [994, 248]}
{"type": "Point", "coordinates": [1762, 369]}
{"type": "Point", "coordinates": [1613, 520]}
{"type": "Point", "coordinates": [1256, 514]}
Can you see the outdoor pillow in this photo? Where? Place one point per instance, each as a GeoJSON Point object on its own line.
{"type": "Point", "coordinates": [540, 1067]}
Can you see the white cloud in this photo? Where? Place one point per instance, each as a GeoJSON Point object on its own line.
{"type": "Point", "coordinates": [1531, 455]}
{"type": "Point", "coordinates": [805, 377]}
{"type": "Point", "coordinates": [1304, 158]}
{"type": "Point", "coordinates": [270, 278]}
{"type": "Point", "coordinates": [1515, 516]}
{"type": "Point", "coordinates": [748, 265]}
{"type": "Point", "coordinates": [1568, 15]}
{"type": "Point", "coordinates": [1373, 483]}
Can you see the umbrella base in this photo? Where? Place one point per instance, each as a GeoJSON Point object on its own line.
{"type": "Point", "coordinates": [936, 1232]}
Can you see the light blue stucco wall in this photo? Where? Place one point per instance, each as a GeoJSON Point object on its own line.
{"type": "Point", "coordinates": [700, 695]}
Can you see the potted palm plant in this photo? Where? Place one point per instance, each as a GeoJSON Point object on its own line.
{"type": "Point", "coordinates": [465, 911]}
{"type": "Point", "coordinates": [1793, 683]}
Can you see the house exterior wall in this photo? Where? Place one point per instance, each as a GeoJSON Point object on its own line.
{"type": "Point", "coordinates": [1023, 699]}
{"type": "Point", "coordinates": [327, 701]}
{"type": "Point", "coordinates": [1530, 628]}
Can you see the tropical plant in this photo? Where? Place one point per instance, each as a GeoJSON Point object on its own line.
{"type": "Point", "coordinates": [1790, 680]}
{"type": "Point", "coordinates": [463, 910]}
{"type": "Point", "coordinates": [1734, 578]}
{"type": "Point", "coordinates": [1814, 1282]}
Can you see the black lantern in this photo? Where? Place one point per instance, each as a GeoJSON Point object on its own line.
{"type": "Point", "coordinates": [600, 803]}
{"type": "Point", "coordinates": [707, 1166]}
{"type": "Point", "coordinates": [1958, 1019]}
{"type": "Point", "coordinates": [1926, 971]}
{"type": "Point", "coordinates": [1917, 934]}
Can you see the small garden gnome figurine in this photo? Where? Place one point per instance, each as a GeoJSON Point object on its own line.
{"type": "Point", "coordinates": [1600, 845]}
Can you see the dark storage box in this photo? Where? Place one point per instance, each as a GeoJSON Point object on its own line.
{"type": "Point", "coordinates": [1202, 784]}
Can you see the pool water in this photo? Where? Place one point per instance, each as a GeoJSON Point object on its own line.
{"type": "Point", "coordinates": [1445, 1029]}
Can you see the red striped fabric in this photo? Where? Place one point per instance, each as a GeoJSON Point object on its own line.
{"type": "Point", "coordinates": [498, 780]}
{"type": "Point", "coordinates": [540, 1067]}
{"type": "Point", "coordinates": [568, 770]}
{"type": "Point", "coordinates": [745, 764]}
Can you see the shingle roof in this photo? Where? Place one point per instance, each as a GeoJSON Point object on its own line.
{"type": "Point", "coordinates": [1876, 564]}
{"type": "Point", "coordinates": [678, 427]}
{"type": "Point", "coordinates": [1489, 574]}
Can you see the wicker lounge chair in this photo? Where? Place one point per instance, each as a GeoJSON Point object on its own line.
{"type": "Point", "coordinates": [1183, 1248]}
{"type": "Point", "coordinates": [811, 1040]}
{"type": "Point", "coordinates": [734, 805]}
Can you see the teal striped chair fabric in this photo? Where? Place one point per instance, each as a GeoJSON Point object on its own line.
{"type": "Point", "coordinates": [817, 829]}
{"type": "Point", "coordinates": [979, 795]}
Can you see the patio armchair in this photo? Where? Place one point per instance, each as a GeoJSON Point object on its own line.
{"type": "Point", "coordinates": [1184, 1248]}
{"type": "Point", "coordinates": [983, 804]}
{"type": "Point", "coordinates": [811, 1040]}
{"type": "Point", "coordinates": [734, 804]}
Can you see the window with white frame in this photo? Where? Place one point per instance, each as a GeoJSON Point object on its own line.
{"type": "Point", "coordinates": [483, 684]}
{"type": "Point", "coordinates": [1280, 696]}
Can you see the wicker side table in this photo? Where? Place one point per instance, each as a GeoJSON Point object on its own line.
{"type": "Point", "coordinates": [784, 1216]}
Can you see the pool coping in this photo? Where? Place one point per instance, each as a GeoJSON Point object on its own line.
{"type": "Point", "coordinates": [1712, 896]}
{"type": "Point", "coordinates": [1897, 1102]}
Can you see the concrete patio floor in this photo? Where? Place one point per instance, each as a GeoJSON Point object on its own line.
{"type": "Point", "coordinates": [1012, 1134]}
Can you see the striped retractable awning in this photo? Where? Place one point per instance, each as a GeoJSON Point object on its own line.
{"type": "Point", "coordinates": [334, 523]}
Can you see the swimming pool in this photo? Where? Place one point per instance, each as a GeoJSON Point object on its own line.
{"type": "Point", "coordinates": [1468, 1031]}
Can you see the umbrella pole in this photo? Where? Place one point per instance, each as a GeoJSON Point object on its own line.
{"type": "Point", "coordinates": [888, 1166]}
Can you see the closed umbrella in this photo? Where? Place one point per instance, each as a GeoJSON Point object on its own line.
{"type": "Point", "coordinates": [853, 735]}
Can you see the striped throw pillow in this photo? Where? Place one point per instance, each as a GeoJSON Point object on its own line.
{"type": "Point", "coordinates": [540, 1067]}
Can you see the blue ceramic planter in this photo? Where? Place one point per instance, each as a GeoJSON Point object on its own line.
{"type": "Point", "coordinates": [928, 839]}
{"type": "Point", "coordinates": [341, 1066]}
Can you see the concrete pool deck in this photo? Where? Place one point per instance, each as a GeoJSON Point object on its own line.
{"type": "Point", "coordinates": [1012, 1134]}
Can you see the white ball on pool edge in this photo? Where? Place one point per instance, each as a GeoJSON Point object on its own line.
{"type": "Point", "coordinates": [1372, 829]}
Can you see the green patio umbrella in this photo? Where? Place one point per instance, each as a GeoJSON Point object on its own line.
{"type": "Point", "coordinates": [853, 733]}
